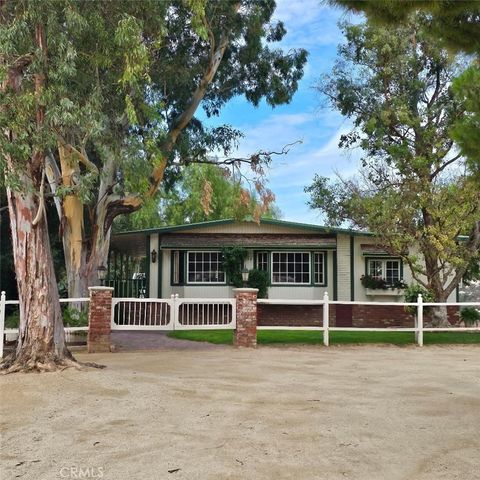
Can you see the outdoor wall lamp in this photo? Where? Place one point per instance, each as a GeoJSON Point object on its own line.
{"type": "Point", "coordinates": [153, 255]}
{"type": "Point", "coordinates": [102, 274]}
{"type": "Point", "coordinates": [245, 274]}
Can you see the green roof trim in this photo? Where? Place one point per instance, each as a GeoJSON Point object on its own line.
{"type": "Point", "coordinates": [227, 221]}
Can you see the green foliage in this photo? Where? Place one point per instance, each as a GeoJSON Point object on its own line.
{"type": "Point", "coordinates": [75, 318]}
{"type": "Point", "coordinates": [261, 280]}
{"type": "Point", "coordinates": [411, 294]}
{"type": "Point", "coordinates": [12, 320]}
{"type": "Point", "coordinates": [455, 24]}
{"type": "Point", "coordinates": [185, 202]}
{"type": "Point", "coordinates": [466, 131]}
{"type": "Point", "coordinates": [189, 202]}
{"type": "Point", "coordinates": [470, 315]}
{"type": "Point", "coordinates": [233, 260]}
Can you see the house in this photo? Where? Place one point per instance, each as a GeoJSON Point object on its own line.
{"type": "Point", "coordinates": [303, 261]}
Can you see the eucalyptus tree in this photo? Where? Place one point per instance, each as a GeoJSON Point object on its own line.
{"type": "Point", "coordinates": [166, 64]}
{"type": "Point", "coordinates": [414, 187]}
{"type": "Point", "coordinates": [98, 102]}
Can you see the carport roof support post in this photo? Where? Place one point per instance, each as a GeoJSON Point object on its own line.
{"type": "Point", "coordinates": [99, 319]}
{"type": "Point", "coordinates": [245, 334]}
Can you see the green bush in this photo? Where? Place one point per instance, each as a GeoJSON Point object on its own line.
{"type": "Point", "coordinates": [411, 294]}
{"type": "Point", "coordinates": [12, 320]}
{"type": "Point", "coordinates": [233, 259]}
{"type": "Point", "coordinates": [259, 279]}
{"type": "Point", "coordinates": [470, 315]}
{"type": "Point", "coordinates": [75, 318]}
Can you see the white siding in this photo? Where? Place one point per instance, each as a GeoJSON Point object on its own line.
{"type": "Point", "coordinates": [153, 286]}
{"type": "Point", "coordinates": [343, 267]}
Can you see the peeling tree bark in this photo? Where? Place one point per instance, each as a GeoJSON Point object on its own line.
{"type": "Point", "coordinates": [41, 341]}
{"type": "Point", "coordinates": [72, 226]}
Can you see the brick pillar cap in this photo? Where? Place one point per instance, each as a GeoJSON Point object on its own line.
{"type": "Point", "coordinates": [245, 290]}
{"type": "Point", "coordinates": [111, 289]}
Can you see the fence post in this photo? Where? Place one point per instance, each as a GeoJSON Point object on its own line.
{"type": "Point", "coordinates": [420, 320]}
{"type": "Point", "coordinates": [173, 311]}
{"type": "Point", "coordinates": [2, 321]}
{"type": "Point", "coordinates": [99, 319]}
{"type": "Point", "coordinates": [245, 334]}
{"type": "Point", "coordinates": [326, 320]}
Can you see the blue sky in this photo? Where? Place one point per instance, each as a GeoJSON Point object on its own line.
{"type": "Point", "coordinates": [312, 26]}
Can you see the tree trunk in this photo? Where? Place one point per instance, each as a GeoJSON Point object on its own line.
{"type": "Point", "coordinates": [41, 340]}
{"type": "Point", "coordinates": [440, 317]}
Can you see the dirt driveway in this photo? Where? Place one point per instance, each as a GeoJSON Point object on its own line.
{"type": "Point", "coordinates": [360, 413]}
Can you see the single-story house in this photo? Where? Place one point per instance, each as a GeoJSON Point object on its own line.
{"type": "Point", "coordinates": [302, 260]}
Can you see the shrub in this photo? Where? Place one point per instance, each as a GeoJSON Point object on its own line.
{"type": "Point", "coordinates": [12, 320]}
{"type": "Point", "coordinates": [233, 258]}
{"type": "Point", "coordinates": [75, 318]}
{"type": "Point", "coordinates": [470, 315]}
{"type": "Point", "coordinates": [259, 279]}
{"type": "Point", "coordinates": [411, 294]}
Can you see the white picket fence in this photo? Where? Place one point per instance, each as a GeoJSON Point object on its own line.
{"type": "Point", "coordinates": [13, 332]}
{"type": "Point", "coordinates": [419, 327]}
{"type": "Point", "coordinates": [173, 313]}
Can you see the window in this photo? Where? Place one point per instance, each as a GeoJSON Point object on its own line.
{"type": "Point", "coordinates": [389, 270]}
{"type": "Point", "coordinates": [262, 261]}
{"type": "Point", "coordinates": [205, 267]}
{"type": "Point", "coordinates": [319, 268]}
{"type": "Point", "coordinates": [291, 267]}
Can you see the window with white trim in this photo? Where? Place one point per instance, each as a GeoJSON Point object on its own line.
{"type": "Point", "coordinates": [262, 261]}
{"type": "Point", "coordinates": [205, 267]}
{"type": "Point", "coordinates": [389, 269]}
{"type": "Point", "coordinates": [291, 268]}
{"type": "Point", "coordinates": [319, 268]}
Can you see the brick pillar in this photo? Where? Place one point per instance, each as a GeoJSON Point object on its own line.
{"type": "Point", "coordinates": [245, 334]}
{"type": "Point", "coordinates": [99, 319]}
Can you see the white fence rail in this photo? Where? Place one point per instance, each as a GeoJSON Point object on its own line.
{"type": "Point", "coordinates": [176, 313]}
{"type": "Point", "coordinates": [13, 332]}
{"type": "Point", "coordinates": [419, 327]}
{"type": "Point", "coordinates": [173, 313]}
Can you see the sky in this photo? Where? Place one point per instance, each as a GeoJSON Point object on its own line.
{"type": "Point", "coordinates": [312, 26]}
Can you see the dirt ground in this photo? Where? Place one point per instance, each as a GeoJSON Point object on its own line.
{"type": "Point", "coordinates": [359, 412]}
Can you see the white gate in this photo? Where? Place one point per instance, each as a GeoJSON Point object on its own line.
{"type": "Point", "coordinates": [173, 313]}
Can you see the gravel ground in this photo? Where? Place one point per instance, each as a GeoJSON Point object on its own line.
{"type": "Point", "coordinates": [349, 412]}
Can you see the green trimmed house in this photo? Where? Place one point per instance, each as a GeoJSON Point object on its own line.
{"type": "Point", "coordinates": [303, 261]}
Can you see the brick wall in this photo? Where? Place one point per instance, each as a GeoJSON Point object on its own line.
{"type": "Point", "coordinates": [374, 316]}
{"type": "Point", "coordinates": [293, 315]}
{"type": "Point", "coordinates": [392, 316]}
{"type": "Point", "coordinates": [99, 318]}
{"type": "Point", "coordinates": [245, 334]}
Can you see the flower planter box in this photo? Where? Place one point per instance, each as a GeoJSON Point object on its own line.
{"type": "Point", "coordinates": [379, 292]}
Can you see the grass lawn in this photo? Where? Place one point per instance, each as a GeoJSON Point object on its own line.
{"type": "Point", "coordinates": [266, 337]}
